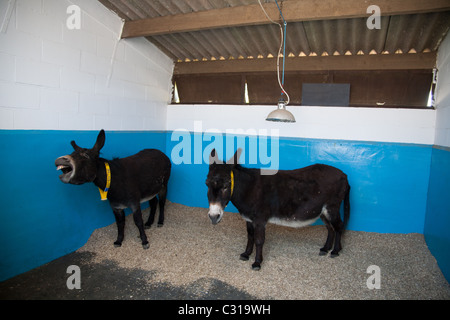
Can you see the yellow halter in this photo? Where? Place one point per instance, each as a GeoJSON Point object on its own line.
{"type": "Point", "coordinates": [104, 193]}
{"type": "Point", "coordinates": [232, 183]}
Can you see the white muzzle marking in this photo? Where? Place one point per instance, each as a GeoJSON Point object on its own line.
{"type": "Point", "coordinates": [215, 212]}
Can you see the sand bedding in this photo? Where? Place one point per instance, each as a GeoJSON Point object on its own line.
{"type": "Point", "coordinates": [189, 249]}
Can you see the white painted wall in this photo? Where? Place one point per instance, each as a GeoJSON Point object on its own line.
{"type": "Point", "coordinates": [55, 78]}
{"type": "Point", "coordinates": [443, 94]}
{"type": "Point", "coordinates": [361, 124]}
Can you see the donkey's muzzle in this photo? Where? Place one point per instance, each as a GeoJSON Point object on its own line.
{"type": "Point", "coordinates": [65, 164]}
{"type": "Point", "coordinates": [215, 213]}
{"type": "Point", "coordinates": [215, 219]}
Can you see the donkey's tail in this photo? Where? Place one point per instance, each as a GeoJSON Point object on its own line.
{"type": "Point", "coordinates": [347, 205]}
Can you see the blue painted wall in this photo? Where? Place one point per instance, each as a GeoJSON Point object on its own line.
{"type": "Point", "coordinates": [437, 222]}
{"type": "Point", "coordinates": [43, 219]}
{"type": "Point", "coordinates": [389, 181]}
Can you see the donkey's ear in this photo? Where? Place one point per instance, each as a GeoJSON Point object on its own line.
{"type": "Point", "coordinates": [100, 141]}
{"type": "Point", "coordinates": [74, 145]}
{"type": "Point", "coordinates": [235, 159]}
{"type": "Point", "coordinates": [213, 157]}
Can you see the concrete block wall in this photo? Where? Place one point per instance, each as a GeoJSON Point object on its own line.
{"type": "Point", "coordinates": [52, 77]}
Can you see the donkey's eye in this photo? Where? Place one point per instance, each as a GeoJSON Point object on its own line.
{"type": "Point", "coordinates": [85, 155]}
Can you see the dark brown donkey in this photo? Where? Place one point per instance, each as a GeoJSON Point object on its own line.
{"type": "Point", "coordinates": [125, 182]}
{"type": "Point", "coordinates": [294, 198]}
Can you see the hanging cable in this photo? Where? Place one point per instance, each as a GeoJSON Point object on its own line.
{"type": "Point", "coordinates": [282, 46]}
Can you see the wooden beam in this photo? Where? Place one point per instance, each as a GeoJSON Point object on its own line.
{"type": "Point", "coordinates": [358, 62]}
{"type": "Point", "coordinates": [293, 10]}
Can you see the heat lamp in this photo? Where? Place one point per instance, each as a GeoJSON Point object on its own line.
{"type": "Point", "coordinates": [280, 114]}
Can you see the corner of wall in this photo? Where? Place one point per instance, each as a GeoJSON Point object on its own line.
{"type": "Point", "coordinates": [437, 218]}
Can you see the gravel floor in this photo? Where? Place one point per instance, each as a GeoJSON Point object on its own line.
{"type": "Point", "coordinates": [190, 252]}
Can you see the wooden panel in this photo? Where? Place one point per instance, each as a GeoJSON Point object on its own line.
{"type": "Point", "coordinates": [391, 88]}
{"type": "Point", "coordinates": [264, 88]}
{"type": "Point", "coordinates": [223, 89]}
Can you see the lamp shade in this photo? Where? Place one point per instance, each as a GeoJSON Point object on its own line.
{"type": "Point", "coordinates": [281, 114]}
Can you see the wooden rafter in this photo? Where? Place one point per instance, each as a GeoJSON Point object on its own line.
{"type": "Point", "coordinates": [357, 62]}
{"type": "Point", "coordinates": [293, 10]}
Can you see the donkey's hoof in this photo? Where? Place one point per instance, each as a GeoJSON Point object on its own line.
{"type": "Point", "coordinates": [243, 257]}
{"type": "Point", "coordinates": [145, 245]}
{"type": "Point", "coordinates": [334, 254]}
{"type": "Point", "coordinates": [147, 226]}
{"type": "Point", "coordinates": [323, 252]}
{"type": "Point", "coordinates": [256, 266]}
{"type": "Point", "coordinates": [160, 225]}
{"type": "Point", "coordinates": [117, 244]}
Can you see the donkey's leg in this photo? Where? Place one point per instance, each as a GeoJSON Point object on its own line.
{"type": "Point", "coordinates": [338, 226]}
{"type": "Point", "coordinates": [162, 202]}
{"type": "Point", "coordinates": [137, 216]}
{"type": "Point", "coordinates": [120, 222]}
{"type": "Point", "coordinates": [337, 245]}
{"type": "Point", "coordinates": [153, 204]}
{"type": "Point", "coordinates": [330, 237]}
{"type": "Point", "coordinates": [260, 235]}
{"type": "Point", "coordinates": [250, 242]}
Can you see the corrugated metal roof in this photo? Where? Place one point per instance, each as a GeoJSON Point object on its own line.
{"type": "Point", "coordinates": [398, 33]}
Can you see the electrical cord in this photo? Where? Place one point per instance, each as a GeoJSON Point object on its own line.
{"type": "Point", "coordinates": [282, 43]}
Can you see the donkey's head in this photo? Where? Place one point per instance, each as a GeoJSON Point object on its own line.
{"type": "Point", "coordinates": [220, 182]}
{"type": "Point", "coordinates": [80, 166]}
